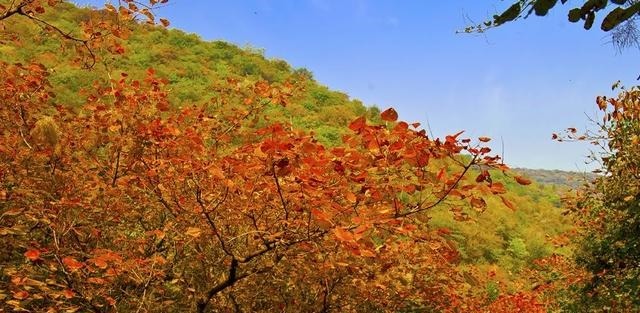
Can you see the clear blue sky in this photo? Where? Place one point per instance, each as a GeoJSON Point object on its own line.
{"type": "Point", "coordinates": [520, 82]}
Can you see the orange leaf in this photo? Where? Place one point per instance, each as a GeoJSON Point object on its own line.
{"type": "Point", "coordinates": [72, 264]}
{"type": "Point", "coordinates": [498, 188]}
{"type": "Point", "coordinates": [100, 263]}
{"type": "Point", "coordinates": [110, 300]}
{"type": "Point", "coordinates": [389, 115]}
{"type": "Point", "coordinates": [508, 203]}
{"type": "Point", "coordinates": [484, 139]}
{"type": "Point", "coordinates": [68, 293]}
{"type": "Point", "coordinates": [441, 175]}
{"type": "Point", "coordinates": [343, 235]}
{"type": "Point", "coordinates": [21, 295]}
{"type": "Point", "coordinates": [350, 197]}
{"type": "Point", "coordinates": [32, 254]}
{"type": "Point", "coordinates": [165, 22]}
{"type": "Point", "coordinates": [522, 181]}
{"type": "Point", "coordinates": [96, 280]}
{"type": "Point", "coordinates": [478, 203]}
{"type": "Point", "coordinates": [308, 147]}
{"type": "Point", "coordinates": [358, 123]}
{"type": "Point", "coordinates": [320, 215]}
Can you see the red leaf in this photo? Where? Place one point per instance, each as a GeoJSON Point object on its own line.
{"type": "Point", "coordinates": [20, 295]}
{"type": "Point", "coordinates": [32, 254]}
{"type": "Point", "coordinates": [68, 293]}
{"type": "Point", "coordinates": [72, 264]}
{"type": "Point", "coordinates": [484, 139]}
{"type": "Point", "coordinates": [522, 181]}
{"type": "Point", "coordinates": [389, 115]}
{"type": "Point", "coordinates": [358, 123]}
{"type": "Point", "coordinates": [454, 137]}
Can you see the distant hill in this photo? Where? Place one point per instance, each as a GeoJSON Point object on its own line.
{"type": "Point", "coordinates": [557, 177]}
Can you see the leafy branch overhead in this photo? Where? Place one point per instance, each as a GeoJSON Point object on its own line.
{"type": "Point", "coordinates": [615, 12]}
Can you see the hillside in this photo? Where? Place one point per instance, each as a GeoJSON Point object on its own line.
{"type": "Point", "coordinates": [194, 68]}
{"type": "Point", "coordinates": [516, 226]}
{"type": "Point", "coordinates": [557, 177]}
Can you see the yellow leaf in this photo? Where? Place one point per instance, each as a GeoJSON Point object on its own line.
{"type": "Point", "coordinates": [350, 197]}
{"type": "Point", "coordinates": [194, 232]}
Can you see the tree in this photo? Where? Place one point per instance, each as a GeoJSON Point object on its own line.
{"type": "Point", "coordinates": [608, 208]}
{"type": "Point", "coordinates": [131, 202]}
{"type": "Point", "coordinates": [620, 17]}
{"type": "Point", "coordinates": [99, 31]}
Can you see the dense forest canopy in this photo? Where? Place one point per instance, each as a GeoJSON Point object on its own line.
{"type": "Point", "coordinates": [145, 169]}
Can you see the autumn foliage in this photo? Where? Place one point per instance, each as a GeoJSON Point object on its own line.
{"type": "Point", "coordinates": [131, 202]}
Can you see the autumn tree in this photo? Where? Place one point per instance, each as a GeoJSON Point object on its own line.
{"type": "Point", "coordinates": [608, 208]}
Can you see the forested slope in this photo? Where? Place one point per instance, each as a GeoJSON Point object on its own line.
{"type": "Point", "coordinates": [193, 67]}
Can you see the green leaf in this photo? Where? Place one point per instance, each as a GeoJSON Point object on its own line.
{"type": "Point", "coordinates": [617, 16]}
{"type": "Point", "coordinates": [574, 15]}
{"type": "Point", "coordinates": [588, 22]}
{"type": "Point", "coordinates": [613, 19]}
{"type": "Point", "coordinates": [542, 7]}
{"type": "Point", "coordinates": [509, 15]}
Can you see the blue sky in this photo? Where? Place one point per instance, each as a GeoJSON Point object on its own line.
{"type": "Point", "coordinates": [520, 82]}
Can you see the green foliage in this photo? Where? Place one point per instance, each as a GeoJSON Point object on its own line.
{"type": "Point", "coordinates": [506, 238]}
{"type": "Point", "coordinates": [518, 248]}
{"type": "Point", "coordinates": [622, 11]}
{"type": "Point", "coordinates": [609, 212]}
{"type": "Point", "coordinates": [619, 17]}
{"type": "Point", "coordinates": [493, 291]}
{"type": "Point", "coordinates": [192, 66]}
